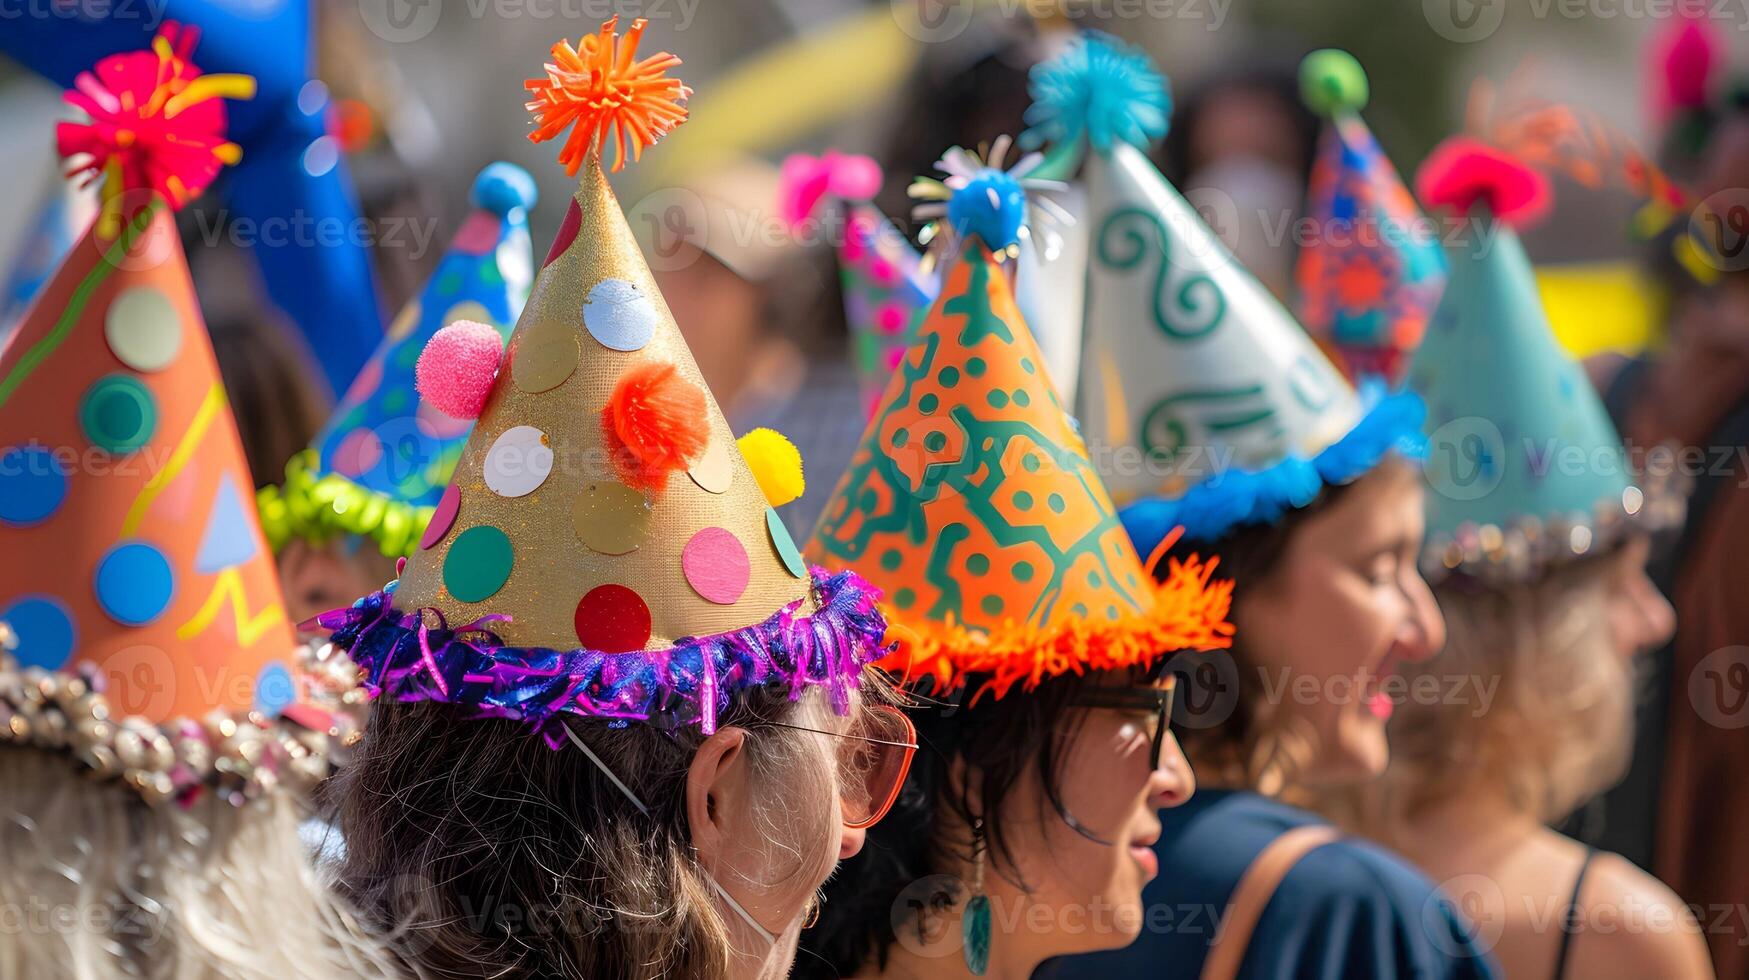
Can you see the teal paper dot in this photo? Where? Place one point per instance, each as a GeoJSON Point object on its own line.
{"type": "Point", "coordinates": [118, 413]}
{"type": "Point", "coordinates": [1030, 463]}
{"type": "Point", "coordinates": [407, 355]}
{"type": "Point", "coordinates": [975, 367]}
{"type": "Point", "coordinates": [490, 275]}
{"type": "Point", "coordinates": [992, 605]}
{"type": "Point", "coordinates": [449, 282]}
{"type": "Point", "coordinates": [935, 442]}
{"type": "Point", "coordinates": [1023, 571]}
{"type": "Point", "coordinates": [1056, 503]}
{"type": "Point", "coordinates": [997, 399]}
{"type": "Point", "coordinates": [1026, 365]}
{"type": "Point", "coordinates": [1111, 613]}
{"type": "Point", "coordinates": [891, 560]}
{"type": "Point", "coordinates": [1021, 398]}
{"type": "Point", "coordinates": [867, 500]}
{"type": "Point", "coordinates": [1079, 609]}
{"type": "Point", "coordinates": [948, 376]}
{"type": "Point", "coordinates": [395, 401]}
{"type": "Point", "coordinates": [784, 544]}
{"type": "Point", "coordinates": [1022, 500]}
{"type": "Point", "coordinates": [978, 564]}
{"type": "Point", "coordinates": [1094, 580]}
{"type": "Point", "coordinates": [928, 404]}
{"type": "Point", "coordinates": [901, 437]}
{"type": "Point", "coordinates": [478, 563]}
{"type": "Point", "coordinates": [904, 598]}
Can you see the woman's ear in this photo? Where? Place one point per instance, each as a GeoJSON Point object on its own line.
{"type": "Point", "coordinates": [717, 788]}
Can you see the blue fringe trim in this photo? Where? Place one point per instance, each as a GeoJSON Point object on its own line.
{"type": "Point", "coordinates": [1240, 498]}
{"type": "Point", "coordinates": [406, 657]}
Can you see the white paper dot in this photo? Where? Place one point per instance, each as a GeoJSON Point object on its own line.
{"type": "Point", "coordinates": [518, 462]}
{"type": "Point", "coordinates": [618, 315]}
{"type": "Point", "coordinates": [143, 328]}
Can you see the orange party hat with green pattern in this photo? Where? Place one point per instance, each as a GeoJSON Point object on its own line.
{"type": "Point", "coordinates": [150, 641]}
{"type": "Point", "coordinates": [606, 547]}
{"type": "Point", "coordinates": [971, 501]}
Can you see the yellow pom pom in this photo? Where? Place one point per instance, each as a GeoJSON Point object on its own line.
{"type": "Point", "coordinates": [776, 463]}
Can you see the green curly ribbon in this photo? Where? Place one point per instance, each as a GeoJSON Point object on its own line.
{"type": "Point", "coordinates": [1197, 307]}
{"type": "Point", "coordinates": [320, 508]}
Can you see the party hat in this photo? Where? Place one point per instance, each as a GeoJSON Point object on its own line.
{"type": "Point", "coordinates": [604, 548]}
{"type": "Point", "coordinates": [971, 499]}
{"type": "Point", "coordinates": [1371, 273]}
{"type": "Point", "coordinates": [140, 591]}
{"type": "Point", "coordinates": [59, 221]}
{"type": "Point", "coordinates": [1212, 406]}
{"type": "Point", "coordinates": [885, 284]}
{"type": "Point", "coordinates": [379, 467]}
{"type": "Point", "coordinates": [1525, 468]}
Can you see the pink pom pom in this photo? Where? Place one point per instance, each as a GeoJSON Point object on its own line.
{"type": "Point", "coordinates": [1684, 54]}
{"type": "Point", "coordinates": [456, 370]}
{"type": "Point", "coordinates": [805, 181]}
{"type": "Point", "coordinates": [853, 177]}
{"type": "Point", "coordinates": [1461, 172]}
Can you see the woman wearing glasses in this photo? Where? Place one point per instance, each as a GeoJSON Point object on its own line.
{"type": "Point", "coordinates": [620, 729]}
{"type": "Point", "coordinates": [1030, 631]}
{"type": "Point", "coordinates": [1254, 447]}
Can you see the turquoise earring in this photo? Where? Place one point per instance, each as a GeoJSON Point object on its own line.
{"type": "Point", "coordinates": [975, 926]}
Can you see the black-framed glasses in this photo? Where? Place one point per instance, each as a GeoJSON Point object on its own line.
{"type": "Point", "coordinates": [1157, 700]}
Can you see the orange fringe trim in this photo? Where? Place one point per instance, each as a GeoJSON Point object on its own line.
{"type": "Point", "coordinates": [601, 93]}
{"type": "Point", "coordinates": [1190, 613]}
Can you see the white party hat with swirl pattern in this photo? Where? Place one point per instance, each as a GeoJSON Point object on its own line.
{"type": "Point", "coordinates": [1205, 403]}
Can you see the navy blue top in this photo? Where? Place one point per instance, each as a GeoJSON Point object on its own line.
{"type": "Point", "coordinates": [1349, 909]}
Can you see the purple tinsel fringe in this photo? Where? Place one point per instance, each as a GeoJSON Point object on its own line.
{"type": "Point", "coordinates": [408, 658]}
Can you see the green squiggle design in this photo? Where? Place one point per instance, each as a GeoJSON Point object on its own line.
{"type": "Point", "coordinates": [1198, 306]}
{"type": "Point", "coordinates": [45, 347]}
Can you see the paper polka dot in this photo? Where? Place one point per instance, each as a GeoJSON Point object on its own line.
{"type": "Point", "coordinates": [135, 583]}
{"type": "Point", "coordinates": [358, 453]}
{"type": "Point", "coordinates": [544, 357]}
{"type": "Point", "coordinates": [518, 462]}
{"type": "Point", "coordinates": [275, 690]}
{"type": "Point", "coordinates": [44, 629]}
{"type": "Point", "coordinates": [365, 383]}
{"type": "Point", "coordinates": [567, 233]}
{"type": "Point", "coordinates": [404, 324]}
{"type": "Point", "coordinates": [611, 518]}
{"type": "Point", "coordinates": [143, 328]}
{"type": "Point", "coordinates": [784, 545]}
{"type": "Point", "coordinates": [715, 470]}
{"type": "Point", "coordinates": [442, 519]}
{"type": "Point", "coordinates": [716, 566]}
{"type": "Point", "coordinates": [33, 484]}
{"type": "Point", "coordinates": [468, 309]}
{"type": "Point", "coordinates": [118, 413]}
{"type": "Point", "coordinates": [618, 315]}
{"type": "Point", "coordinates": [478, 563]}
{"type": "Point", "coordinates": [478, 234]}
{"type": "Point", "coordinates": [612, 619]}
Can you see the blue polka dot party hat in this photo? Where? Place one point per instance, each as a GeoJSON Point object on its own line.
{"type": "Point", "coordinates": [379, 467]}
{"type": "Point", "coordinates": [1524, 469]}
{"type": "Point", "coordinates": [606, 547]}
{"type": "Point", "coordinates": [1205, 405]}
{"type": "Point", "coordinates": [1371, 273]}
{"type": "Point", "coordinates": [143, 604]}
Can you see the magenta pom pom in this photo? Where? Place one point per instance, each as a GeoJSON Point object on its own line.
{"type": "Point", "coordinates": [1461, 173]}
{"type": "Point", "coordinates": [456, 370]}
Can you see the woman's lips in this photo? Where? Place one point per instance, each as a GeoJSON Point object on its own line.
{"type": "Point", "coordinates": [1147, 860]}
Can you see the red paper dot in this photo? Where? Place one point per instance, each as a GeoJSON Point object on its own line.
{"type": "Point", "coordinates": [567, 233]}
{"type": "Point", "coordinates": [443, 519]}
{"type": "Point", "coordinates": [612, 619]}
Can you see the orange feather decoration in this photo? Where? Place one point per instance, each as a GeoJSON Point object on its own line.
{"type": "Point", "coordinates": [598, 90]}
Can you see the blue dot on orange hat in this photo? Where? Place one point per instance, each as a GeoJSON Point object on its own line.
{"type": "Point", "coordinates": [134, 583]}
{"type": "Point", "coordinates": [33, 483]}
{"type": "Point", "coordinates": [44, 629]}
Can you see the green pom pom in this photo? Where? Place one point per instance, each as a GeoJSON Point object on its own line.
{"type": "Point", "coordinates": [1331, 81]}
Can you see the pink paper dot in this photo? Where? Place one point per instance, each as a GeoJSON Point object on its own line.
{"type": "Point", "coordinates": [443, 519]}
{"type": "Point", "coordinates": [478, 234]}
{"type": "Point", "coordinates": [716, 566]}
{"type": "Point", "coordinates": [883, 273]}
{"type": "Point", "coordinates": [358, 452]}
{"type": "Point", "coordinates": [891, 318]}
{"type": "Point", "coordinates": [365, 383]}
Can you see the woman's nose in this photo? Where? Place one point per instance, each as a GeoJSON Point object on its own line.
{"type": "Point", "coordinates": [1425, 627]}
{"type": "Point", "coordinates": [1172, 782]}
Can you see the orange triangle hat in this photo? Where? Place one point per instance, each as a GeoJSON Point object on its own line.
{"type": "Point", "coordinates": [143, 602]}
{"type": "Point", "coordinates": [971, 501]}
{"type": "Point", "coordinates": [606, 547]}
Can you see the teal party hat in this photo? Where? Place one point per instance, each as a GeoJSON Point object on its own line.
{"type": "Point", "coordinates": [380, 465]}
{"type": "Point", "coordinates": [1204, 404]}
{"type": "Point", "coordinates": [1525, 468]}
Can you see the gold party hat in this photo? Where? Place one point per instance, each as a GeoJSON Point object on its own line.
{"type": "Point", "coordinates": [604, 540]}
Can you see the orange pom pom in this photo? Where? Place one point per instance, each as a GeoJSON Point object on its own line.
{"type": "Point", "coordinates": [601, 92]}
{"type": "Point", "coordinates": [655, 423]}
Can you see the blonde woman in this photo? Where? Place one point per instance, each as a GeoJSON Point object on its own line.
{"type": "Point", "coordinates": [1539, 568]}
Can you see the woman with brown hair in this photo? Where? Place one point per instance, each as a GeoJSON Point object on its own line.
{"type": "Point", "coordinates": [620, 729]}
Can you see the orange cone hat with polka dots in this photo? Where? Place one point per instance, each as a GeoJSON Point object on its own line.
{"type": "Point", "coordinates": [126, 509]}
{"type": "Point", "coordinates": [971, 501]}
{"type": "Point", "coordinates": [606, 547]}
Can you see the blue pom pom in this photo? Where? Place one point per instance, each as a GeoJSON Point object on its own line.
{"type": "Point", "coordinates": [504, 187]}
{"type": "Point", "coordinates": [1101, 89]}
{"type": "Point", "coordinates": [991, 206]}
